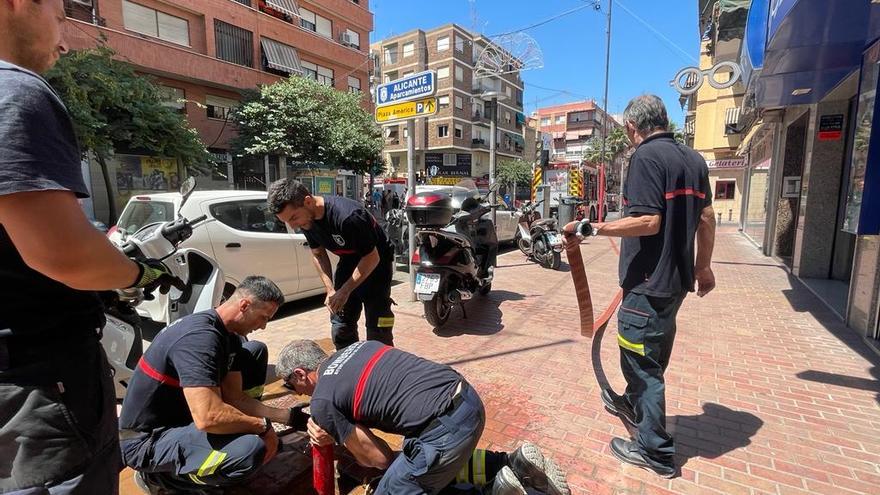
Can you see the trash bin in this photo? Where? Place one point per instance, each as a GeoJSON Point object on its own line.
{"type": "Point", "coordinates": [565, 213]}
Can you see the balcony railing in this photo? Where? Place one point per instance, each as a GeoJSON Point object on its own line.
{"type": "Point", "coordinates": [480, 143]}
{"type": "Point", "coordinates": [480, 118]}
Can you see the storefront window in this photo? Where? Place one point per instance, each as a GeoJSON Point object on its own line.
{"type": "Point", "coordinates": [862, 136]}
{"type": "Point", "coordinates": [136, 174]}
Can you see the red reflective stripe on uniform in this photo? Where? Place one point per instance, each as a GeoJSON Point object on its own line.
{"type": "Point", "coordinates": [342, 251]}
{"type": "Point", "coordinates": [685, 192]}
{"type": "Point", "coordinates": [362, 382]}
{"type": "Point", "coordinates": [156, 375]}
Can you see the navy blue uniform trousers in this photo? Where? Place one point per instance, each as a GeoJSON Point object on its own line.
{"type": "Point", "coordinates": [373, 296]}
{"type": "Point", "coordinates": [185, 458]}
{"type": "Point", "coordinates": [645, 334]}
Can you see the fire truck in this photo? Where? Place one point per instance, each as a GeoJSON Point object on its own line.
{"type": "Point", "coordinates": [573, 178]}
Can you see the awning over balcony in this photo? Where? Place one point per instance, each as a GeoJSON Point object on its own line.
{"type": "Point", "coordinates": [520, 118]}
{"type": "Point", "coordinates": [812, 46]}
{"type": "Point", "coordinates": [280, 56]}
{"type": "Point", "coordinates": [286, 6]}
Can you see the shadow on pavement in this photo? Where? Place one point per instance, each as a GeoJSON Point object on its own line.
{"type": "Point", "coordinates": [300, 306]}
{"type": "Point", "coordinates": [483, 315]}
{"type": "Point", "coordinates": [717, 431]}
{"type": "Point", "coordinates": [868, 384]}
{"type": "Point", "coordinates": [507, 353]}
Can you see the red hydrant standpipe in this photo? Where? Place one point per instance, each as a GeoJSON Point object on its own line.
{"type": "Point", "coordinates": [323, 475]}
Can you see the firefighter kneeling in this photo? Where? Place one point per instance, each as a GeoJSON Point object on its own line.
{"type": "Point", "coordinates": [192, 419]}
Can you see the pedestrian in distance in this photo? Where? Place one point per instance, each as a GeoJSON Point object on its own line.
{"type": "Point", "coordinates": [58, 427]}
{"type": "Point", "coordinates": [192, 420]}
{"type": "Point", "coordinates": [362, 281]}
{"type": "Point", "coordinates": [667, 206]}
{"type": "Point", "coordinates": [371, 385]}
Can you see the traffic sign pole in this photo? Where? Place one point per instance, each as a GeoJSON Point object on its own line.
{"type": "Point", "coordinates": [411, 189]}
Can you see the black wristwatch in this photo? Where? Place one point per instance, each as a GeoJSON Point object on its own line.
{"type": "Point", "coordinates": [267, 427]}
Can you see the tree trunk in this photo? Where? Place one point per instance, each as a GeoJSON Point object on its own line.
{"type": "Point", "coordinates": [111, 202]}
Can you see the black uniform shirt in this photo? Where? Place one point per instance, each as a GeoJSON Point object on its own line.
{"type": "Point", "coordinates": [194, 351]}
{"type": "Point", "coordinates": [348, 231]}
{"type": "Point", "coordinates": [38, 152]}
{"type": "Point", "coordinates": [376, 386]}
{"type": "Point", "coordinates": [672, 180]}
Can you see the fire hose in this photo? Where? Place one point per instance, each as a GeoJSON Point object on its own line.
{"type": "Point", "coordinates": [589, 325]}
{"type": "Point", "coordinates": [323, 471]}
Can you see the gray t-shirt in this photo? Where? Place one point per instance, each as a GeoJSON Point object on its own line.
{"type": "Point", "coordinates": [38, 152]}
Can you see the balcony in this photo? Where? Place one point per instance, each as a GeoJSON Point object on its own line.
{"type": "Point", "coordinates": [480, 118]}
{"type": "Point", "coordinates": [479, 143]}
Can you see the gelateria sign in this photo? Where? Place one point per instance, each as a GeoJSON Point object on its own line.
{"type": "Point", "coordinates": [726, 163]}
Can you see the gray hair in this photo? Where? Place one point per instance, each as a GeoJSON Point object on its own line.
{"type": "Point", "coordinates": [647, 113]}
{"type": "Point", "coordinates": [260, 288]}
{"type": "Point", "coordinates": [303, 354]}
{"type": "Point", "coordinates": [285, 192]}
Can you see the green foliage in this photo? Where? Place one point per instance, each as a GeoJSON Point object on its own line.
{"type": "Point", "coordinates": [678, 133]}
{"type": "Point", "coordinates": [514, 172]}
{"type": "Point", "coordinates": [113, 108]}
{"type": "Point", "coordinates": [615, 145]}
{"type": "Point", "coordinates": [309, 122]}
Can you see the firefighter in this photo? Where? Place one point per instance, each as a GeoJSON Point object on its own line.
{"type": "Point", "coordinates": [366, 258]}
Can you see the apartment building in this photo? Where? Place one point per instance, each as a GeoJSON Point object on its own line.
{"type": "Point", "coordinates": [453, 143]}
{"type": "Point", "coordinates": [203, 53]}
{"type": "Point", "coordinates": [571, 126]}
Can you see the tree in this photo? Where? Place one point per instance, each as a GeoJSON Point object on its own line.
{"type": "Point", "coordinates": [112, 107]}
{"type": "Point", "coordinates": [514, 173]}
{"type": "Point", "coordinates": [678, 133]}
{"type": "Point", "coordinates": [615, 145]}
{"type": "Point", "coordinates": [309, 122]}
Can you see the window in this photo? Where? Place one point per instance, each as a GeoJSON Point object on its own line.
{"type": "Point", "coordinates": [443, 101]}
{"type": "Point", "coordinates": [725, 189]}
{"type": "Point", "coordinates": [391, 133]}
{"type": "Point", "coordinates": [234, 44]}
{"type": "Point", "coordinates": [545, 121]}
{"type": "Point", "coordinates": [248, 216]}
{"type": "Point", "coordinates": [442, 72]}
{"type": "Point", "coordinates": [448, 159]}
{"type": "Point", "coordinates": [354, 84]}
{"type": "Point", "coordinates": [314, 22]}
{"type": "Point", "coordinates": [459, 44]}
{"type": "Point", "coordinates": [508, 92]}
{"type": "Point", "coordinates": [507, 116]}
{"type": "Point", "coordinates": [459, 73]}
{"type": "Point", "coordinates": [443, 44]}
{"type": "Point", "coordinates": [459, 102]}
{"type": "Point", "coordinates": [310, 70]}
{"type": "Point", "coordinates": [351, 38]}
{"type": "Point", "coordinates": [560, 119]}
{"type": "Point", "coordinates": [391, 54]}
{"type": "Point", "coordinates": [409, 49]}
{"type": "Point", "coordinates": [173, 98]}
{"type": "Point", "coordinates": [443, 130]}
{"type": "Point", "coordinates": [325, 76]}
{"type": "Point", "coordinates": [219, 107]}
{"type": "Point", "coordinates": [459, 131]}
{"type": "Point", "coordinates": [406, 73]}
{"type": "Point", "coordinates": [154, 23]}
{"type": "Point", "coordinates": [405, 132]}
{"type": "Point", "coordinates": [390, 76]}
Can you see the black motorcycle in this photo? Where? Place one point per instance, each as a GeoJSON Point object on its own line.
{"type": "Point", "coordinates": [538, 238]}
{"type": "Point", "coordinates": [457, 253]}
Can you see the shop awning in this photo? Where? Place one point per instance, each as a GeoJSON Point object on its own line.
{"type": "Point", "coordinates": [812, 46]}
{"type": "Point", "coordinates": [516, 138]}
{"type": "Point", "coordinates": [754, 41]}
{"type": "Point", "coordinates": [280, 56]}
{"type": "Point", "coordinates": [747, 140]}
{"type": "Point", "coordinates": [572, 136]}
{"type": "Point", "coordinates": [286, 6]}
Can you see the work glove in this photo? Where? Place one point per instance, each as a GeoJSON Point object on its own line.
{"type": "Point", "coordinates": [154, 274]}
{"type": "Point", "coordinates": [298, 418]}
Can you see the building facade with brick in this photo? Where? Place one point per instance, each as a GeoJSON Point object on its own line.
{"type": "Point", "coordinates": [454, 142]}
{"type": "Point", "coordinates": [204, 53]}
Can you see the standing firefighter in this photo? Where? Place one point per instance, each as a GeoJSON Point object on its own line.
{"type": "Point", "coordinates": [667, 203]}
{"type": "Point", "coordinates": [366, 258]}
{"type": "Point", "coordinates": [58, 428]}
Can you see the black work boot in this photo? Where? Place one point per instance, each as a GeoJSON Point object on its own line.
{"type": "Point", "coordinates": [506, 483]}
{"type": "Point", "coordinates": [537, 471]}
{"type": "Point", "coordinates": [628, 452]}
{"type": "Point", "coordinates": [618, 405]}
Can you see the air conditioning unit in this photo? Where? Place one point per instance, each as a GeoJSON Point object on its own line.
{"type": "Point", "coordinates": [346, 38]}
{"type": "Point", "coordinates": [86, 3]}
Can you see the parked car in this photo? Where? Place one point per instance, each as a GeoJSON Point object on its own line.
{"type": "Point", "coordinates": [505, 220]}
{"type": "Point", "coordinates": [239, 233]}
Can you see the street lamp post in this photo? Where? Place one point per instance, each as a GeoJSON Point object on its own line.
{"type": "Point", "coordinates": [495, 97]}
{"type": "Point", "coordinates": [603, 164]}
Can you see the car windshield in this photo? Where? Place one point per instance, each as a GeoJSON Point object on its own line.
{"type": "Point", "coordinates": [140, 213]}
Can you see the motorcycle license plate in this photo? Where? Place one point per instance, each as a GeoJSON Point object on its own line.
{"type": "Point", "coordinates": [553, 238]}
{"type": "Point", "coordinates": [427, 283]}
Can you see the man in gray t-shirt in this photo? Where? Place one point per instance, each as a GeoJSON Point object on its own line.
{"type": "Point", "coordinates": [57, 400]}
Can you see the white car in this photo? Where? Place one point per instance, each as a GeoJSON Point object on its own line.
{"type": "Point", "coordinates": [239, 233]}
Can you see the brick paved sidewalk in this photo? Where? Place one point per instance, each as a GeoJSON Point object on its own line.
{"type": "Point", "coordinates": [767, 391]}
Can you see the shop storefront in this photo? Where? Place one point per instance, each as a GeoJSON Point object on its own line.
{"type": "Point", "coordinates": [759, 159]}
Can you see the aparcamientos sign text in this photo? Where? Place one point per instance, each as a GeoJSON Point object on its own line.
{"type": "Point", "coordinates": [407, 88]}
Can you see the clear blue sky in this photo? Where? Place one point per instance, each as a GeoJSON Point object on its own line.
{"type": "Point", "coordinates": [645, 55]}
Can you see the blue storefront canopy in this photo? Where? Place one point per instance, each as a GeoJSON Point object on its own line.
{"type": "Point", "coordinates": [812, 45]}
{"type": "Point", "coordinates": [754, 41]}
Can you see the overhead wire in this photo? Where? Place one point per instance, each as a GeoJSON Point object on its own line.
{"type": "Point", "coordinates": [657, 33]}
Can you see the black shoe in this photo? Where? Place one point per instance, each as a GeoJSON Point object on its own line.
{"type": "Point", "coordinates": [617, 405]}
{"type": "Point", "coordinates": [628, 452]}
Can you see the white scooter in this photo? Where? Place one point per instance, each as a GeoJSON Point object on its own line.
{"type": "Point", "coordinates": [122, 334]}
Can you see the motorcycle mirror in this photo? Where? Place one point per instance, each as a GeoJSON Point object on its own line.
{"type": "Point", "coordinates": [186, 188]}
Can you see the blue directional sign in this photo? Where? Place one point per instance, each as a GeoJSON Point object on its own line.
{"type": "Point", "coordinates": [411, 87]}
